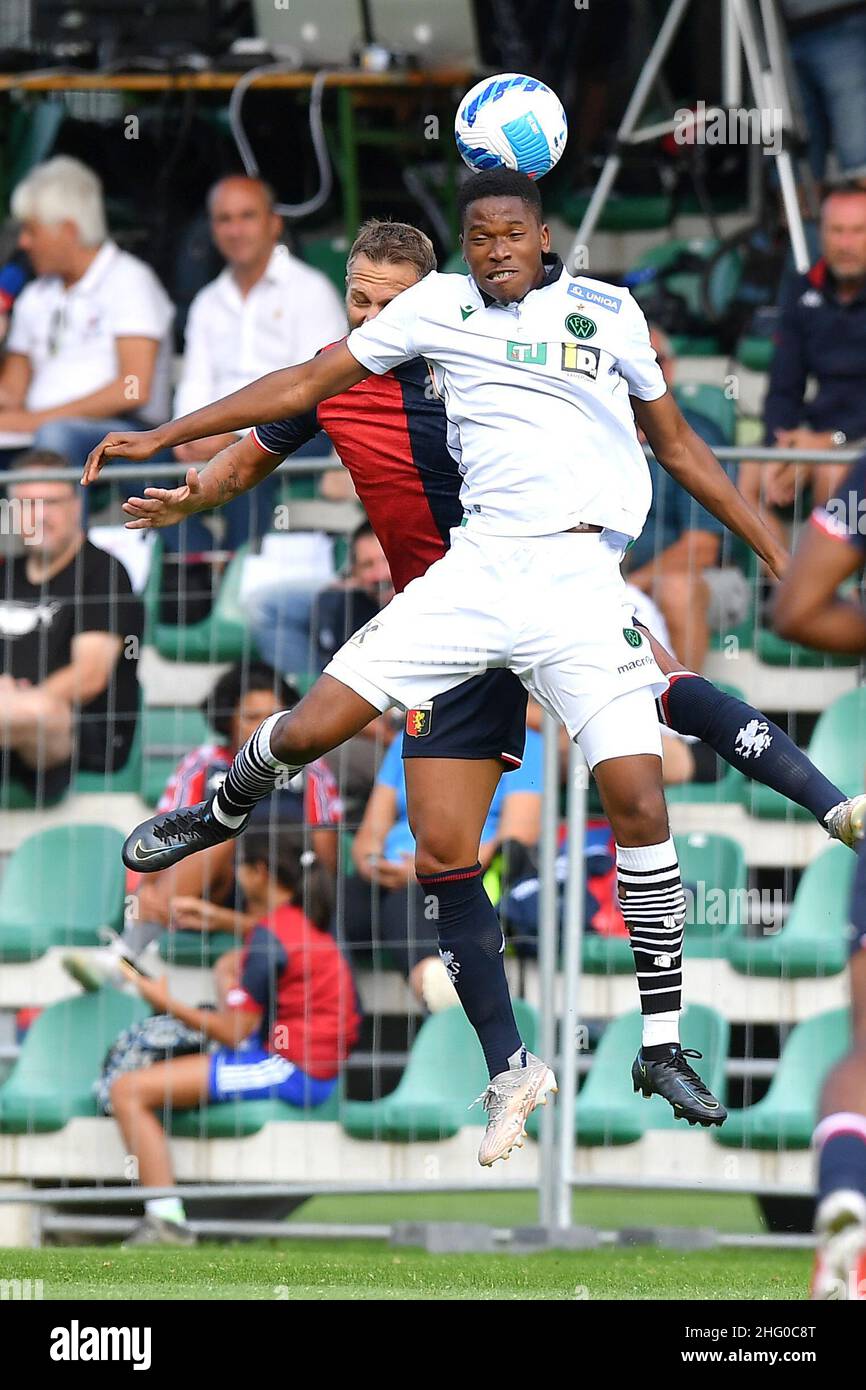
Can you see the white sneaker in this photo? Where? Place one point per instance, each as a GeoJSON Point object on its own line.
{"type": "Point", "coordinates": [509, 1100]}
{"type": "Point", "coordinates": [840, 1259]}
{"type": "Point", "coordinates": [846, 822]}
{"type": "Point", "coordinates": [95, 969]}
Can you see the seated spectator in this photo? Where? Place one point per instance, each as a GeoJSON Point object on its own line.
{"type": "Point", "coordinates": [89, 346]}
{"type": "Point", "coordinates": [70, 629]}
{"type": "Point", "coordinates": [827, 40]}
{"type": "Point", "coordinates": [265, 311]}
{"type": "Point", "coordinates": [385, 905]}
{"type": "Point", "coordinates": [299, 634]}
{"type": "Point", "coordinates": [199, 893]}
{"type": "Point", "coordinates": [287, 1019]}
{"type": "Point", "coordinates": [679, 543]}
{"type": "Point", "coordinates": [821, 338]}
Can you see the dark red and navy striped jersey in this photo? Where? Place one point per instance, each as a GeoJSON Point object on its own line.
{"type": "Point", "coordinates": [390, 432]}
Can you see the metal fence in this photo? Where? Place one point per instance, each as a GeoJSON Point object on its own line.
{"type": "Point", "coordinates": [62, 1156]}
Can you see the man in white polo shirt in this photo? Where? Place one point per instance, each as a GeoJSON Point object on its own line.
{"type": "Point", "coordinates": [89, 345]}
{"type": "Point", "coordinates": [266, 310]}
{"type": "Point", "coordinates": [542, 377]}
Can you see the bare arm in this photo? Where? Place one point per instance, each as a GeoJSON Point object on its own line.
{"type": "Point", "coordinates": [94, 655]}
{"type": "Point", "coordinates": [379, 816]}
{"type": "Point", "coordinates": [684, 455]}
{"type": "Point", "coordinates": [234, 470]}
{"type": "Point", "coordinates": [807, 607]}
{"type": "Point", "coordinates": [14, 380]}
{"type": "Point", "coordinates": [277, 396]}
{"type": "Point", "coordinates": [692, 552]}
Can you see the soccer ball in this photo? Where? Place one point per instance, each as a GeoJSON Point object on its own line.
{"type": "Point", "coordinates": [511, 121]}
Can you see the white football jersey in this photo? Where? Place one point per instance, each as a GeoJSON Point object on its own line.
{"type": "Point", "coordinates": [536, 395]}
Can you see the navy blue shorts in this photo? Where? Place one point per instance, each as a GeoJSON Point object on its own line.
{"type": "Point", "coordinates": [485, 717]}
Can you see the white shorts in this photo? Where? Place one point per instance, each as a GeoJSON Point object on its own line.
{"type": "Point", "coordinates": [552, 609]}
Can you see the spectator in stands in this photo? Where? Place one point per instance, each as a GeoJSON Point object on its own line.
{"type": "Point", "coordinates": [680, 542]}
{"type": "Point", "coordinates": [266, 310]}
{"type": "Point", "coordinates": [89, 346]}
{"type": "Point", "coordinates": [301, 638]}
{"type": "Point", "coordinates": [822, 336]}
{"type": "Point", "coordinates": [287, 1018]}
{"type": "Point", "coordinates": [199, 894]}
{"type": "Point", "coordinates": [828, 46]}
{"type": "Point", "coordinates": [70, 629]}
{"type": "Point", "coordinates": [385, 906]}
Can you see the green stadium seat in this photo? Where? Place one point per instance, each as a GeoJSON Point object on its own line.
{"type": "Point", "coordinates": [712, 860]}
{"type": "Point", "coordinates": [444, 1075]}
{"type": "Point", "coordinates": [623, 212]}
{"type": "Point", "coordinates": [710, 401]}
{"type": "Point", "coordinates": [14, 796]}
{"type": "Point", "coordinates": [123, 779]}
{"type": "Point", "coordinates": [838, 742]}
{"type": "Point", "coordinates": [776, 651]}
{"type": "Point", "coordinates": [222, 636]}
{"type": "Point", "coordinates": [169, 733]}
{"type": "Point", "coordinates": [61, 1057]}
{"type": "Point", "coordinates": [237, 1119]}
{"type": "Point", "coordinates": [609, 1111]}
{"type": "Point", "coordinates": [328, 254]}
{"type": "Point", "coordinates": [756, 353]}
{"type": "Point", "coordinates": [785, 1117]}
{"type": "Point", "coordinates": [58, 888]}
{"type": "Point", "coordinates": [837, 747]}
{"type": "Point", "coordinates": [200, 949]}
{"type": "Point", "coordinates": [814, 940]}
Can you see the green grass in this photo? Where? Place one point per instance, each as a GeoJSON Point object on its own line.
{"type": "Point", "coordinates": [608, 1210]}
{"type": "Point", "coordinates": [371, 1270]}
{"type": "Point", "coordinates": [363, 1269]}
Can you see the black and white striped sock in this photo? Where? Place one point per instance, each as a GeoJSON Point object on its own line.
{"type": "Point", "coordinates": [654, 907]}
{"type": "Point", "coordinates": [253, 775]}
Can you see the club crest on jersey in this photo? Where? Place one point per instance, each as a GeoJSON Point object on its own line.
{"type": "Point", "coordinates": [530, 354]}
{"type": "Point", "coordinates": [632, 636]}
{"type": "Point", "coordinates": [580, 325]}
{"type": "Point", "coordinates": [418, 721]}
{"type": "Point", "coordinates": [579, 360]}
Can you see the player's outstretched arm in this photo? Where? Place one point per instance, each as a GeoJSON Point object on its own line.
{"type": "Point", "coordinates": [276, 396]}
{"type": "Point", "coordinates": [684, 455]}
{"type": "Point", "coordinates": [232, 471]}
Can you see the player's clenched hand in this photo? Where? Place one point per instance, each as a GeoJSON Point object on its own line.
{"type": "Point", "coordinates": [164, 506]}
{"type": "Point", "coordinates": [135, 445]}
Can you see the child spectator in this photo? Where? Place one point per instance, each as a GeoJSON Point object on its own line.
{"type": "Point", "coordinates": [288, 1017]}
{"type": "Point", "coordinates": [198, 895]}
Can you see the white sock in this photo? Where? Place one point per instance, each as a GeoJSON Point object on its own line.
{"type": "Point", "coordinates": [167, 1209]}
{"type": "Point", "coordinates": [659, 1029]}
{"type": "Point", "coordinates": [230, 822]}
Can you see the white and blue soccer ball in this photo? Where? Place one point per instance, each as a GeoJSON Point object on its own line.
{"type": "Point", "coordinates": [511, 121]}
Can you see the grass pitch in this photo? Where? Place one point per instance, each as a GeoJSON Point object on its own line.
{"type": "Point", "coordinates": [365, 1269]}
